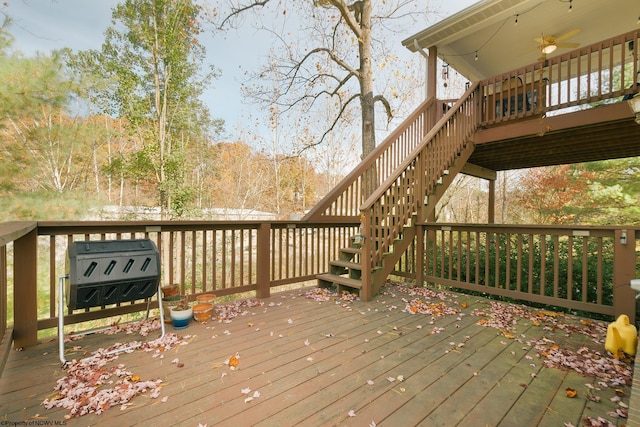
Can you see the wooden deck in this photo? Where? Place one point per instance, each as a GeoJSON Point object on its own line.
{"type": "Point", "coordinates": [331, 363]}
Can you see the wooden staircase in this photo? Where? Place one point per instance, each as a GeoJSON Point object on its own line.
{"type": "Point", "coordinates": [346, 273]}
{"type": "Point", "coordinates": [408, 194]}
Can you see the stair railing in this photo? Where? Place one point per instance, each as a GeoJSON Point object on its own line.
{"type": "Point", "coordinates": [345, 199]}
{"type": "Point", "coordinates": [391, 206]}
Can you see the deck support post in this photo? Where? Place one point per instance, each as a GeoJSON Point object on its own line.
{"type": "Point", "coordinates": [624, 270]}
{"type": "Point", "coordinates": [491, 214]}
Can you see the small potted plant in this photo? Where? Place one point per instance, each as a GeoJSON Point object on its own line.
{"type": "Point", "coordinates": [181, 314]}
{"type": "Point", "coordinates": [170, 291]}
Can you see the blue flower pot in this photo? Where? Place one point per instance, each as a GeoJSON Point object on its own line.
{"type": "Point", "coordinates": [181, 318]}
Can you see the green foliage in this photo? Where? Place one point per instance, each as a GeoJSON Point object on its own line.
{"type": "Point", "coordinates": [597, 193]}
{"type": "Point", "coordinates": [615, 191]}
{"type": "Point", "coordinates": [46, 143]}
{"type": "Point", "coordinates": [150, 67]}
{"type": "Point", "coordinates": [553, 266]}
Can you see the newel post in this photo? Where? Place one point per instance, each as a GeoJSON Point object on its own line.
{"type": "Point", "coordinates": [624, 269]}
{"type": "Point", "coordinates": [366, 254]}
{"type": "Point", "coordinates": [420, 255]}
{"type": "Point", "coordinates": [263, 273]}
{"type": "Point", "coordinates": [25, 290]}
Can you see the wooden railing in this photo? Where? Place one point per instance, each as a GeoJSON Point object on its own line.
{"type": "Point", "coordinates": [389, 209]}
{"type": "Point", "coordinates": [576, 268]}
{"type": "Point", "coordinates": [603, 71]}
{"type": "Point", "coordinates": [246, 258]}
{"type": "Point", "coordinates": [347, 197]}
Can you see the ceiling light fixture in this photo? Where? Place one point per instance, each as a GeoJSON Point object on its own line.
{"type": "Point", "coordinates": [547, 49]}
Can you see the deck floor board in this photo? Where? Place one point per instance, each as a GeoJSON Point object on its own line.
{"type": "Point", "coordinates": [329, 363]}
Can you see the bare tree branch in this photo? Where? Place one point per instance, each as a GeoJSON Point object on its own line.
{"type": "Point", "coordinates": [387, 106]}
{"type": "Point", "coordinates": [336, 120]}
{"type": "Point", "coordinates": [235, 11]}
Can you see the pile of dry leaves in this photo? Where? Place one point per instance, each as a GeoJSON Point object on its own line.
{"type": "Point", "coordinates": [90, 386]}
{"type": "Point", "coordinates": [326, 294]}
{"type": "Point", "coordinates": [227, 312]}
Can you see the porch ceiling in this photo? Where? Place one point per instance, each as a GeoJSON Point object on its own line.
{"type": "Point", "coordinates": [605, 132]}
{"type": "Point", "coordinates": [488, 29]}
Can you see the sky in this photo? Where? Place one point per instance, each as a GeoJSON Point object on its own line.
{"type": "Point", "coordinates": [44, 25]}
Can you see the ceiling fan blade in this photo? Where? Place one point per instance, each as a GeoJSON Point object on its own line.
{"type": "Point", "coordinates": [568, 44]}
{"type": "Point", "coordinates": [568, 35]}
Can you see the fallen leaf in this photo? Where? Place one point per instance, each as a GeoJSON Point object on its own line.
{"type": "Point", "coordinates": [234, 360]}
{"type": "Point", "coordinates": [571, 392]}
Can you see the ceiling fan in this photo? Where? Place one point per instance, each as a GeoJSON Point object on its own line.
{"type": "Point", "coordinates": [549, 44]}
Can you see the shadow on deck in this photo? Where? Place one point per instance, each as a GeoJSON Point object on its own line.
{"type": "Point", "coordinates": [429, 358]}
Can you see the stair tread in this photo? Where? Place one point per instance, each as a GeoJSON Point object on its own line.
{"type": "Point", "coordinates": [351, 250]}
{"type": "Point", "coordinates": [342, 280]}
{"type": "Point", "coordinates": [346, 264]}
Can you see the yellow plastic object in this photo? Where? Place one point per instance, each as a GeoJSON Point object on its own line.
{"type": "Point", "coordinates": [621, 336]}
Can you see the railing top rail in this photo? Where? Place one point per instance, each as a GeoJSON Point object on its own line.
{"type": "Point", "coordinates": [368, 161]}
{"type": "Point", "coordinates": [567, 56]}
{"type": "Point", "coordinates": [13, 230]}
{"type": "Point", "coordinates": [123, 227]}
{"type": "Point", "coordinates": [407, 161]}
{"type": "Point", "coordinates": [528, 226]}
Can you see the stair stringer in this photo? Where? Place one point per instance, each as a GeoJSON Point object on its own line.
{"type": "Point", "coordinates": [402, 243]}
{"type": "Point", "coordinates": [447, 180]}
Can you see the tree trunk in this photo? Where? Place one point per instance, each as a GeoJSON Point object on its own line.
{"type": "Point", "coordinates": [367, 98]}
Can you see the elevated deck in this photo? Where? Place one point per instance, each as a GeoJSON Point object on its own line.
{"type": "Point", "coordinates": [428, 358]}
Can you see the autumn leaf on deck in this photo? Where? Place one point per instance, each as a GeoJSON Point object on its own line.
{"type": "Point", "coordinates": [234, 361]}
{"type": "Point", "coordinates": [507, 334]}
{"type": "Point", "coordinates": [570, 392]}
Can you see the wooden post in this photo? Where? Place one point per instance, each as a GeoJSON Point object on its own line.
{"type": "Point", "coordinates": [491, 214]}
{"type": "Point", "coordinates": [263, 274]}
{"type": "Point", "coordinates": [432, 80]}
{"type": "Point", "coordinates": [432, 72]}
{"type": "Point", "coordinates": [25, 290]}
{"type": "Point", "coordinates": [624, 269]}
{"type": "Point", "coordinates": [366, 253]}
